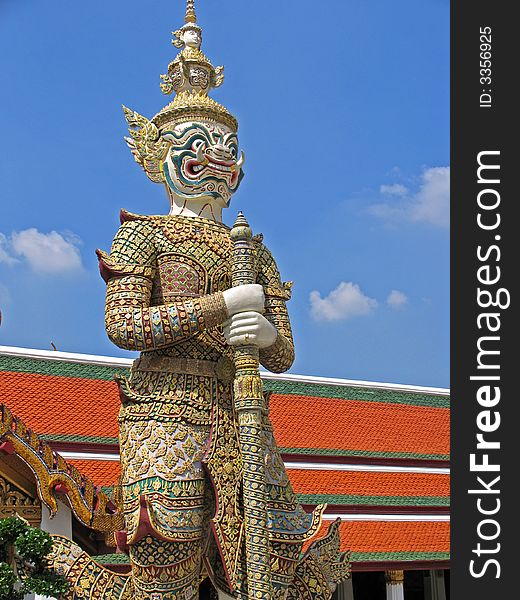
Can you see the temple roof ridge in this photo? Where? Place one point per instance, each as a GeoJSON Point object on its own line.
{"type": "Point", "coordinates": [119, 362]}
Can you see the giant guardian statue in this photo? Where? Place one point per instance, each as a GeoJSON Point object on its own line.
{"type": "Point", "coordinates": [203, 493]}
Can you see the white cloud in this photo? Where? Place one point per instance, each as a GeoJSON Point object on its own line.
{"type": "Point", "coordinates": [344, 302]}
{"type": "Point", "coordinates": [50, 253]}
{"type": "Point", "coordinates": [430, 204]}
{"type": "Point", "coordinates": [397, 299]}
{"type": "Point", "coordinates": [5, 256]}
{"type": "Point", "coordinates": [396, 189]}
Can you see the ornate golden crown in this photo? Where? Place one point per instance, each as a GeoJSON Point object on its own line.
{"type": "Point", "coordinates": [193, 106]}
{"type": "Point", "coordinates": [191, 76]}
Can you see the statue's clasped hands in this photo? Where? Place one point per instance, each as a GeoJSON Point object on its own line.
{"type": "Point", "coordinates": [246, 325]}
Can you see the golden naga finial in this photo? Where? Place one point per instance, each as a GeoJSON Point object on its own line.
{"type": "Point", "coordinates": [190, 12]}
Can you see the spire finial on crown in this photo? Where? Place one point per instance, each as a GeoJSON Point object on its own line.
{"type": "Point", "coordinates": [190, 17]}
{"type": "Point", "coordinates": [191, 76]}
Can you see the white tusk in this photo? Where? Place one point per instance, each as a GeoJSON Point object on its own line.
{"type": "Point", "coordinates": [241, 160]}
{"type": "Point", "coordinates": [200, 154]}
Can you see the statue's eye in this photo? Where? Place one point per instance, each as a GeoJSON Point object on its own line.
{"type": "Point", "coordinates": [233, 151]}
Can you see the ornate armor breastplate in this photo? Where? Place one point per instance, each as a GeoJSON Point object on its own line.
{"type": "Point", "coordinates": [193, 258]}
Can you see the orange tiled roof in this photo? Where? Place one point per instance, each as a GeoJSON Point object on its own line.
{"type": "Point", "coordinates": [308, 482]}
{"type": "Point", "coordinates": [62, 405]}
{"type": "Point", "coordinates": [377, 426]}
{"type": "Point", "coordinates": [369, 483]}
{"type": "Point", "coordinates": [103, 472]}
{"type": "Point", "coordinates": [393, 536]}
{"type": "Point", "coordinates": [84, 407]}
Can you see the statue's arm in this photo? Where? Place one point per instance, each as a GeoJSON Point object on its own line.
{"type": "Point", "coordinates": [130, 321]}
{"type": "Point", "coordinates": [280, 355]}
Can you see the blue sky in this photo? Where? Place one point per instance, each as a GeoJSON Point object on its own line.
{"type": "Point", "coordinates": [344, 117]}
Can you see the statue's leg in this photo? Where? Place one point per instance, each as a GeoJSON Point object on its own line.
{"type": "Point", "coordinates": [165, 506]}
{"type": "Point", "coordinates": [163, 570]}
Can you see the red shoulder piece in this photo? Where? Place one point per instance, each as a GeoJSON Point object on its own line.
{"type": "Point", "coordinates": [104, 269]}
{"type": "Point", "coordinates": [124, 216]}
{"type": "Point", "coordinates": [109, 268]}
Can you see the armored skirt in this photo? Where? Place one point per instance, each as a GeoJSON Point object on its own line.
{"type": "Point", "coordinates": [180, 456]}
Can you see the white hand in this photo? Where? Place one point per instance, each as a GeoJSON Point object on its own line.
{"type": "Point", "coordinates": [250, 328]}
{"type": "Point", "coordinates": [249, 297]}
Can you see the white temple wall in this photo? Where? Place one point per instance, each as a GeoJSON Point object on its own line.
{"type": "Point", "coordinates": [61, 524]}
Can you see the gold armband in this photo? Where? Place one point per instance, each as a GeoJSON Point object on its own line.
{"type": "Point", "coordinates": [214, 309]}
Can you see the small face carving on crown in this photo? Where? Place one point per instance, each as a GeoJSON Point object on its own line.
{"type": "Point", "coordinates": [203, 162]}
{"type": "Point", "coordinates": [191, 37]}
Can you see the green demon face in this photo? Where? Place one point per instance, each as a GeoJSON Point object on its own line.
{"type": "Point", "coordinates": [203, 162]}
